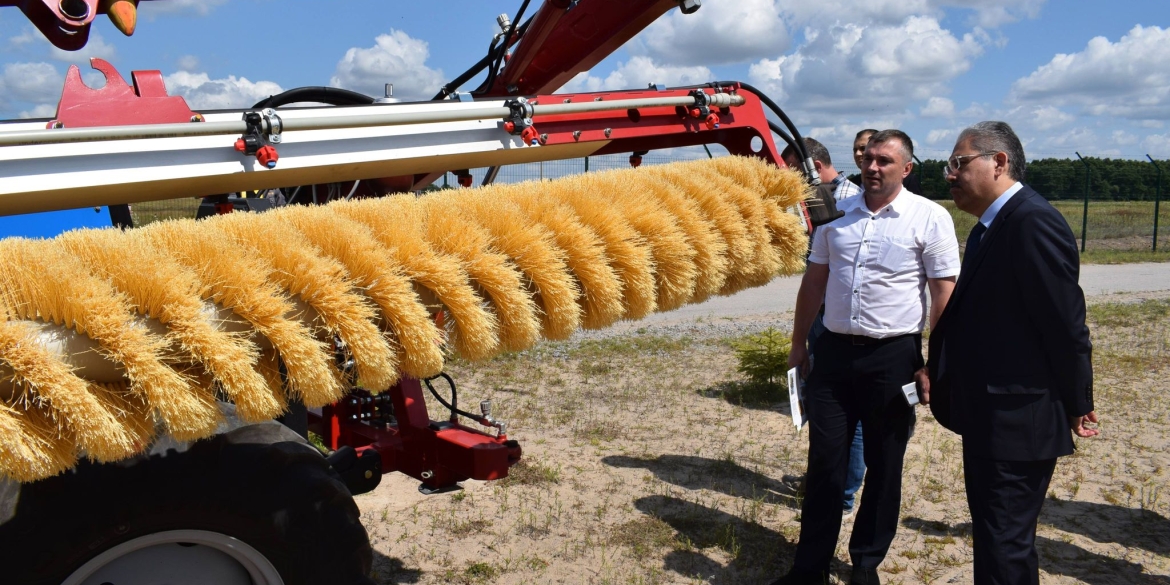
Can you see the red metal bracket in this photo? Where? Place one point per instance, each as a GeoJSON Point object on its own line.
{"type": "Point", "coordinates": [437, 453]}
{"type": "Point", "coordinates": [117, 103]}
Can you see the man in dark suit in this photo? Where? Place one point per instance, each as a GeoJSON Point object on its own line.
{"type": "Point", "coordinates": [1010, 360]}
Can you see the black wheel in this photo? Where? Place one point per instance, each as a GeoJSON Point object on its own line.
{"type": "Point", "coordinates": [255, 506]}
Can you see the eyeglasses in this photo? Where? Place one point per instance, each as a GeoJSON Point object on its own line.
{"type": "Point", "coordinates": [956, 162]}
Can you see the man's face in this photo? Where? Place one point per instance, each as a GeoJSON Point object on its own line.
{"type": "Point", "coordinates": [792, 163]}
{"type": "Point", "coordinates": [884, 167]}
{"type": "Point", "coordinates": [859, 150]}
{"type": "Point", "coordinates": [973, 185]}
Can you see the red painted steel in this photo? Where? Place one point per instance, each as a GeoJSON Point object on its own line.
{"type": "Point", "coordinates": [117, 103]}
{"type": "Point", "coordinates": [557, 47]}
{"type": "Point", "coordinates": [437, 453]}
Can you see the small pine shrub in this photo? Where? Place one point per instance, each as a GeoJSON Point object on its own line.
{"type": "Point", "coordinates": [763, 358]}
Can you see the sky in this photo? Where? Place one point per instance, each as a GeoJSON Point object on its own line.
{"type": "Point", "coordinates": [1070, 75]}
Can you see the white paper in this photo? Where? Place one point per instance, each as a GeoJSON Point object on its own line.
{"type": "Point", "coordinates": [796, 398]}
{"type": "Point", "coordinates": [910, 391]}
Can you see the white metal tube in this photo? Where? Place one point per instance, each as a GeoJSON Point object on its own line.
{"type": "Point", "coordinates": [65, 135]}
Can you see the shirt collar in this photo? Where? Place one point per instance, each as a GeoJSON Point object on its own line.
{"type": "Point", "coordinates": [993, 209]}
{"type": "Point", "coordinates": [897, 206]}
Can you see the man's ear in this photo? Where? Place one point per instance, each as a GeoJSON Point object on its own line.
{"type": "Point", "coordinates": [1001, 163]}
{"type": "Point", "coordinates": [909, 168]}
{"type": "Point", "coordinates": [818, 165]}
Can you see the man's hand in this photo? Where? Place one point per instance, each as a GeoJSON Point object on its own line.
{"type": "Point", "coordinates": [798, 358]}
{"type": "Point", "coordinates": [922, 378]}
{"type": "Point", "coordinates": [1080, 424]}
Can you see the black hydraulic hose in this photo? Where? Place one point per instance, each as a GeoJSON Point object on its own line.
{"type": "Point", "coordinates": [778, 130]}
{"type": "Point", "coordinates": [458, 81]}
{"type": "Point", "coordinates": [333, 96]}
{"type": "Point", "coordinates": [503, 49]}
{"type": "Point", "coordinates": [453, 406]}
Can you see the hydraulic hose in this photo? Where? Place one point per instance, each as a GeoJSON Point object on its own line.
{"type": "Point", "coordinates": [333, 96]}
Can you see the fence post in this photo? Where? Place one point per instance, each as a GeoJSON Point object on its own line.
{"type": "Point", "coordinates": [915, 156]}
{"type": "Point", "coordinates": [708, 151]}
{"type": "Point", "coordinates": [1157, 200]}
{"type": "Point", "coordinates": [1085, 217]}
{"type": "Point", "coordinates": [586, 164]}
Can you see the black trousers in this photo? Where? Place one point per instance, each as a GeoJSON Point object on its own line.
{"type": "Point", "coordinates": [1005, 499]}
{"type": "Point", "coordinates": [851, 383]}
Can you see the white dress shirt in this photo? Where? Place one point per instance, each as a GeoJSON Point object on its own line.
{"type": "Point", "coordinates": [879, 264]}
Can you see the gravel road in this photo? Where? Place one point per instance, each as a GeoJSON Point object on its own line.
{"type": "Point", "coordinates": [766, 306]}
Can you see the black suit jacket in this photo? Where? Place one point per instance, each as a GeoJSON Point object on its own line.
{"type": "Point", "coordinates": [1010, 358]}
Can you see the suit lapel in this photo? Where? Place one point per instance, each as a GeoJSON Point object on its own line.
{"type": "Point", "coordinates": [997, 225]}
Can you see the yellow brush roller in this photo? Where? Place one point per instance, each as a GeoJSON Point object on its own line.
{"type": "Point", "coordinates": [493, 272]}
{"type": "Point", "coordinates": [374, 270]}
{"type": "Point", "coordinates": [39, 280]}
{"type": "Point", "coordinates": [585, 256]}
{"type": "Point", "coordinates": [174, 295]}
{"type": "Point", "coordinates": [182, 312]}
{"type": "Point", "coordinates": [322, 283]}
{"type": "Point", "coordinates": [396, 224]}
{"type": "Point", "coordinates": [236, 281]}
{"type": "Point", "coordinates": [534, 250]}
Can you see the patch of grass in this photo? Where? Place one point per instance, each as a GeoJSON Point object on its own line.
{"type": "Point", "coordinates": [628, 346]}
{"type": "Point", "coordinates": [318, 442]}
{"type": "Point", "coordinates": [1128, 314]}
{"type": "Point", "coordinates": [643, 536]}
{"type": "Point", "coordinates": [1124, 256]}
{"type": "Point", "coordinates": [480, 572]}
{"type": "Point", "coordinates": [530, 472]}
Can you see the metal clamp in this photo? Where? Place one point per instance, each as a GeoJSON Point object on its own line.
{"type": "Point", "coordinates": [519, 122]}
{"type": "Point", "coordinates": [263, 130]}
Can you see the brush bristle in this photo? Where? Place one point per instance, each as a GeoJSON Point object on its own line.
{"type": "Point", "coordinates": [257, 309]}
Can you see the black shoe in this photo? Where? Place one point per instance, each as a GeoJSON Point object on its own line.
{"type": "Point", "coordinates": [795, 577]}
{"type": "Point", "coordinates": [864, 577]}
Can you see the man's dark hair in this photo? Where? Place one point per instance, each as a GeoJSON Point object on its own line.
{"type": "Point", "coordinates": [861, 133]}
{"type": "Point", "coordinates": [817, 151]}
{"type": "Point", "coordinates": [899, 136]}
{"type": "Point", "coordinates": [992, 136]}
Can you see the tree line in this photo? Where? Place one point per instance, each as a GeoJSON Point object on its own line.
{"type": "Point", "coordinates": [1056, 178]}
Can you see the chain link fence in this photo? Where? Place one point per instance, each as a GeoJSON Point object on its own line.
{"type": "Point", "coordinates": [1124, 197]}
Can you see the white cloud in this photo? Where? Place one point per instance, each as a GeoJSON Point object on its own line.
{"type": "Point", "coordinates": [974, 111]}
{"type": "Point", "coordinates": [1123, 138]}
{"type": "Point", "coordinates": [1080, 138]}
{"type": "Point", "coordinates": [188, 63]}
{"type": "Point", "coordinates": [95, 47]}
{"type": "Point", "coordinates": [1157, 145]}
{"type": "Point", "coordinates": [1128, 78]}
{"type": "Point", "coordinates": [40, 111]}
{"type": "Point", "coordinates": [395, 58]}
{"type": "Point", "coordinates": [31, 82]}
{"type": "Point", "coordinates": [1041, 118]}
{"type": "Point", "coordinates": [938, 107]}
{"type": "Point", "coordinates": [940, 135]}
{"type": "Point", "coordinates": [996, 13]}
{"type": "Point", "coordinates": [887, 67]}
{"type": "Point", "coordinates": [204, 93]}
{"type": "Point", "coordinates": [723, 31]}
{"type": "Point", "coordinates": [637, 73]}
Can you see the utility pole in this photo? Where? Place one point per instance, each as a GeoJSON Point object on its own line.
{"type": "Point", "coordinates": [1085, 217]}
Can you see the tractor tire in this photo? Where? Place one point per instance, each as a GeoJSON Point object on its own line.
{"type": "Point", "coordinates": [254, 505]}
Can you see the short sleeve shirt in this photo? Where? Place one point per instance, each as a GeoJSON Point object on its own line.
{"type": "Point", "coordinates": [879, 263]}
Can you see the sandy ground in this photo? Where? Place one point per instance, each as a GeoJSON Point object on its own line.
{"type": "Point", "coordinates": [649, 460]}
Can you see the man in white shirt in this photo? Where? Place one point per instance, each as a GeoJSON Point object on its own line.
{"type": "Point", "coordinates": [873, 268]}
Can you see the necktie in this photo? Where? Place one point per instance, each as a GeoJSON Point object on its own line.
{"type": "Point", "coordinates": [973, 241]}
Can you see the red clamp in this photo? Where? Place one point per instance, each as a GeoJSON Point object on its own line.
{"type": "Point", "coordinates": [465, 180]}
{"type": "Point", "coordinates": [712, 121]}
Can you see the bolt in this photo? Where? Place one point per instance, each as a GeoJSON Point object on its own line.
{"type": "Point", "coordinates": [369, 474]}
{"type": "Point", "coordinates": [197, 118]}
{"type": "Point", "coordinates": [576, 135]}
{"type": "Point", "coordinates": [567, 101]}
{"type": "Point", "coordinates": [608, 131]}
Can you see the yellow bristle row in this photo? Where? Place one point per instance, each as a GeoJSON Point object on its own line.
{"type": "Point", "coordinates": [261, 309]}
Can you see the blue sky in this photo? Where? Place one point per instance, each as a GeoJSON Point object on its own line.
{"type": "Point", "coordinates": [1072, 75]}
